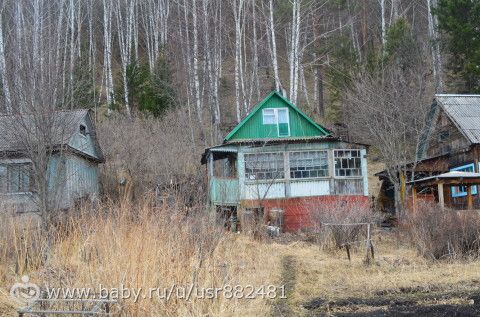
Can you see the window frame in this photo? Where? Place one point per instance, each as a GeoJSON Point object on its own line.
{"type": "Point", "coordinates": [351, 176]}
{"type": "Point", "coordinates": [84, 134]}
{"type": "Point", "coordinates": [308, 178]}
{"type": "Point", "coordinates": [7, 179]}
{"type": "Point", "coordinates": [462, 193]}
{"type": "Point", "coordinates": [247, 179]}
{"type": "Point", "coordinates": [276, 121]}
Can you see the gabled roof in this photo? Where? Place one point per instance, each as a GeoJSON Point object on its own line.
{"type": "Point", "coordinates": [464, 111]}
{"type": "Point", "coordinates": [16, 129]}
{"type": "Point", "coordinates": [322, 131]}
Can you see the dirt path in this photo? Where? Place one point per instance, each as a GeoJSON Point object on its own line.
{"type": "Point", "coordinates": [281, 306]}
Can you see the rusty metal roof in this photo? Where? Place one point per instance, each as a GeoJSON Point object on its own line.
{"type": "Point", "coordinates": [464, 111]}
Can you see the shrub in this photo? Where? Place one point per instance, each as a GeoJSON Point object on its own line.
{"type": "Point", "coordinates": [336, 222]}
{"type": "Point", "coordinates": [438, 233]}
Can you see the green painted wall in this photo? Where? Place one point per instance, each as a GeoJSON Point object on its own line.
{"type": "Point", "coordinates": [253, 128]}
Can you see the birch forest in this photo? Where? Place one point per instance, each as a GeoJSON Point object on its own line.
{"type": "Point", "coordinates": [213, 59]}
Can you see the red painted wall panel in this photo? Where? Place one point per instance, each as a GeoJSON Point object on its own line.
{"type": "Point", "coordinates": [297, 211]}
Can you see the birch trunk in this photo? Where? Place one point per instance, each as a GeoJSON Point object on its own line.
{"type": "Point", "coordinates": [382, 8]}
{"type": "Point", "coordinates": [125, 37]}
{"type": "Point", "coordinates": [3, 68]}
{"type": "Point", "coordinates": [107, 38]}
{"type": "Point", "coordinates": [435, 47]}
{"type": "Point", "coordinates": [196, 78]}
{"type": "Point", "coordinates": [238, 56]}
{"type": "Point", "coordinates": [294, 51]}
{"type": "Point", "coordinates": [274, 48]}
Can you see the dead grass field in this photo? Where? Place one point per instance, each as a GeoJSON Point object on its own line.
{"type": "Point", "coordinates": [146, 253]}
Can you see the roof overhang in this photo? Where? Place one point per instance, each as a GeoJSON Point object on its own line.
{"type": "Point", "coordinates": [450, 178]}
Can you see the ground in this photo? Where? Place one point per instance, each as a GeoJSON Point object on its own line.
{"type": "Point", "coordinates": [399, 283]}
{"type": "Point", "coordinates": [324, 283]}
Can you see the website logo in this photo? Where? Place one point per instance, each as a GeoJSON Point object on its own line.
{"type": "Point", "coordinates": [25, 291]}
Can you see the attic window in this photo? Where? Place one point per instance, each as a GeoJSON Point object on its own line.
{"type": "Point", "coordinates": [279, 117]}
{"type": "Point", "coordinates": [83, 130]}
{"type": "Point", "coordinates": [269, 116]}
{"type": "Point", "coordinates": [443, 136]}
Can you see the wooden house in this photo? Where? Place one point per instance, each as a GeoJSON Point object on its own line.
{"type": "Point", "coordinates": [278, 160]}
{"type": "Point", "coordinates": [450, 143]}
{"type": "Point", "coordinates": [72, 166]}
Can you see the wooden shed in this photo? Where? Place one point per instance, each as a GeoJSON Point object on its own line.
{"type": "Point", "coordinates": [72, 166]}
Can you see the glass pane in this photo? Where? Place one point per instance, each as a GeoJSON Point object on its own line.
{"type": "Point", "coordinates": [282, 115]}
{"type": "Point", "coordinates": [269, 116]}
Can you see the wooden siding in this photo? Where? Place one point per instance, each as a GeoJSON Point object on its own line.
{"type": "Point", "coordinates": [82, 178]}
{"type": "Point", "coordinates": [254, 128]}
{"type": "Point", "coordinates": [85, 143]}
{"type": "Point", "coordinates": [224, 191]}
{"type": "Point", "coordinates": [310, 188]}
{"type": "Point", "coordinates": [445, 137]}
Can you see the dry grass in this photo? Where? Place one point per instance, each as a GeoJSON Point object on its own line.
{"type": "Point", "coordinates": [146, 247]}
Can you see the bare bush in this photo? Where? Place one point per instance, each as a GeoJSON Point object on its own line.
{"type": "Point", "coordinates": [155, 153]}
{"type": "Point", "coordinates": [341, 221]}
{"type": "Point", "coordinates": [438, 234]}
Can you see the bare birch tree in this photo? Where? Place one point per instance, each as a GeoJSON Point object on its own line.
{"type": "Point", "coordinates": [3, 66]}
{"type": "Point", "coordinates": [125, 17]}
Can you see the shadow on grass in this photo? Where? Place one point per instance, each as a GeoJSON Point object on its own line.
{"type": "Point", "coordinates": [385, 306]}
{"type": "Point", "coordinates": [281, 306]}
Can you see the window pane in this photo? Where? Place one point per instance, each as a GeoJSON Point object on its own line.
{"type": "Point", "coordinates": [308, 164]}
{"type": "Point", "coordinates": [348, 163]}
{"type": "Point", "coordinates": [460, 191]}
{"type": "Point", "coordinates": [264, 166]}
{"type": "Point", "coordinates": [282, 115]}
{"type": "Point", "coordinates": [269, 116]}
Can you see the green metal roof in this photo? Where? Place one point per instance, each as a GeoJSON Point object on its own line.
{"type": "Point", "coordinates": [252, 127]}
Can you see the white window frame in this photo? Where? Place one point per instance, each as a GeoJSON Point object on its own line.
{"type": "Point", "coordinates": [352, 176]}
{"type": "Point", "coordinates": [307, 178]}
{"type": "Point", "coordinates": [275, 113]}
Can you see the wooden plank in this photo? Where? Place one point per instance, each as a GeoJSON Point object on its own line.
{"type": "Point", "coordinates": [441, 199]}
{"type": "Point", "coordinates": [414, 199]}
{"type": "Point", "coordinates": [469, 197]}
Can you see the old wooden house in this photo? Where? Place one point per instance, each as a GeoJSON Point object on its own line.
{"type": "Point", "coordinates": [449, 154]}
{"type": "Point", "coordinates": [278, 160]}
{"type": "Point", "coordinates": [72, 164]}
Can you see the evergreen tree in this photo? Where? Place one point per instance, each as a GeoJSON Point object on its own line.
{"type": "Point", "coordinates": [460, 21]}
{"type": "Point", "coordinates": [151, 92]}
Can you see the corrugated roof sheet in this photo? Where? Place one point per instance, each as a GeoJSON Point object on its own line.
{"type": "Point", "coordinates": [17, 130]}
{"type": "Point", "coordinates": [464, 110]}
{"type": "Point", "coordinates": [448, 175]}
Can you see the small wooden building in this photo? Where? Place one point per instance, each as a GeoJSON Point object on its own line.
{"type": "Point", "coordinates": [451, 142]}
{"type": "Point", "coordinates": [278, 160]}
{"type": "Point", "coordinates": [72, 167]}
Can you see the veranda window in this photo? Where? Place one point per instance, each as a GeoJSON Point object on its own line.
{"type": "Point", "coordinates": [348, 163]}
{"type": "Point", "coordinates": [264, 166]}
{"type": "Point", "coordinates": [309, 164]}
